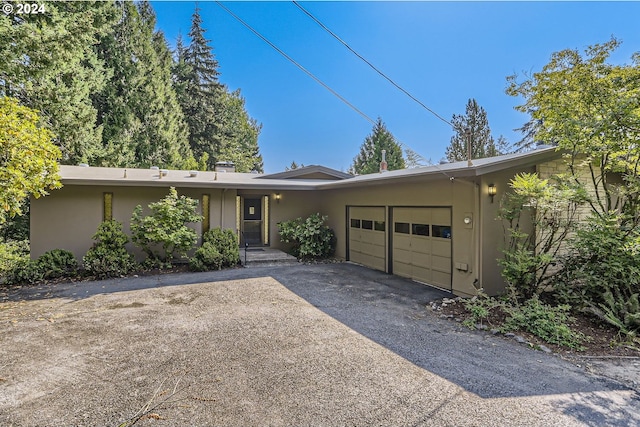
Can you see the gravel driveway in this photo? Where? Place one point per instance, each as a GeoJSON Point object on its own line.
{"type": "Point", "coordinates": [321, 345]}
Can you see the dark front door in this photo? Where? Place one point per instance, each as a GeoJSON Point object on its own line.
{"type": "Point", "coordinates": [252, 221]}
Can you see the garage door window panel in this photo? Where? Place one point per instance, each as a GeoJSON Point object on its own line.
{"type": "Point", "coordinates": [442, 231]}
{"type": "Point", "coordinates": [355, 223]}
{"type": "Point", "coordinates": [402, 227]}
{"type": "Point", "coordinates": [420, 229]}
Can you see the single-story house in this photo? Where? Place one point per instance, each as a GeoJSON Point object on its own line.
{"type": "Point", "coordinates": [434, 224]}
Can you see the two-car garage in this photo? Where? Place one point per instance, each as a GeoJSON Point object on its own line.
{"type": "Point", "coordinates": [413, 242]}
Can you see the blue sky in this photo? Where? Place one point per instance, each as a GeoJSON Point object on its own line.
{"type": "Point", "coordinates": [443, 53]}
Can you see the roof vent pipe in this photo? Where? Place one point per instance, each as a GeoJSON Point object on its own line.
{"type": "Point", "coordinates": [383, 163]}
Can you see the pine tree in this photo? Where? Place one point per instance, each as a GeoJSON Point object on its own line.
{"type": "Point", "coordinates": [47, 61]}
{"type": "Point", "coordinates": [201, 93]}
{"type": "Point", "coordinates": [370, 156]}
{"type": "Point", "coordinates": [143, 122]}
{"type": "Point", "coordinates": [482, 143]}
{"type": "Point", "coordinates": [239, 135]}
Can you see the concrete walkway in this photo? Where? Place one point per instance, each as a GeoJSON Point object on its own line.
{"type": "Point", "coordinates": [330, 345]}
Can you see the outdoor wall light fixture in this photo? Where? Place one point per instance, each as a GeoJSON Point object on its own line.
{"type": "Point", "coordinates": [492, 191]}
{"type": "Point", "coordinates": [278, 197]}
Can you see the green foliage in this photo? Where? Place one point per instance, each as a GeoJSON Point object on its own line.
{"type": "Point", "coordinates": [370, 156]}
{"type": "Point", "coordinates": [552, 324]}
{"type": "Point", "coordinates": [50, 265]}
{"type": "Point", "coordinates": [480, 308]}
{"type": "Point", "coordinates": [49, 63]}
{"type": "Point", "coordinates": [57, 263]}
{"type": "Point", "coordinates": [207, 257]}
{"type": "Point", "coordinates": [28, 158]}
{"type": "Point", "coordinates": [166, 227]}
{"type": "Point", "coordinates": [108, 256]}
{"type": "Point", "coordinates": [219, 249]}
{"type": "Point", "coordinates": [142, 120]}
{"type": "Point", "coordinates": [26, 271]}
{"type": "Point", "coordinates": [592, 110]}
{"type": "Point", "coordinates": [239, 134]}
{"type": "Point", "coordinates": [311, 238]}
{"type": "Point", "coordinates": [482, 143]}
{"type": "Point", "coordinates": [602, 273]}
{"type": "Point", "coordinates": [13, 254]}
{"type": "Point", "coordinates": [538, 214]}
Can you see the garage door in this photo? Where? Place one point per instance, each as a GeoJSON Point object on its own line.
{"type": "Point", "coordinates": [367, 236]}
{"type": "Point", "coordinates": [422, 245]}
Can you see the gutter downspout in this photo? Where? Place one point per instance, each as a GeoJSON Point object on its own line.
{"type": "Point", "coordinates": [477, 237]}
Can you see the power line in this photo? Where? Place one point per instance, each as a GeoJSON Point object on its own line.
{"type": "Point", "coordinates": [307, 72]}
{"type": "Point", "coordinates": [310, 74]}
{"type": "Point", "coordinates": [317, 21]}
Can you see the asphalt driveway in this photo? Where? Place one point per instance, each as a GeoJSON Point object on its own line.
{"type": "Point", "coordinates": [329, 344]}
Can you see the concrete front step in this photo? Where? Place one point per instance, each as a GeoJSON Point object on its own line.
{"type": "Point", "coordinates": [265, 256]}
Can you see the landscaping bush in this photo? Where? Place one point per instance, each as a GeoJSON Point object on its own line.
{"type": "Point", "coordinates": [219, 249]}
{"type": "Point", "coordinates": [166, 228]}
{"type": "Point", "coordinates": [12, 255]}
{"type": "Point", "coordinates": [550, 323]}
{"type": "Point", "coordinates": [108, 256]}
{"type": "Point", "coordinates": [207, 257]}
{"type": "Point", "coordinates": [50, 265]}
{"type": "Point", "coordinates": [57, 263]}
{"type": "Point", "coordinates": [310, 237]}
{"type": "Point", "coordinates": [602, 273]}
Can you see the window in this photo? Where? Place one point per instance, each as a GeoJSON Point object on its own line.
{"type": "Point", "coordinates": [107, 206]}
{"type": "Point", "coordinates": [206, 219]}
{"type": "Point", "coordinates": [355, 223]}
{"type": "Point", "coordinates": [402, 227]}
{"type": "Point", "coordinates": [367, 224]}
{"type": "Point", "coordinates": [420, 229]}
{"type": "Point", "coordinates": [442, 231]}
{"type": "Point", "coordinates": [379, 225]}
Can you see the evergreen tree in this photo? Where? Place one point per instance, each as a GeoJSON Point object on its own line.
{"type": "Point", "coordinates": [370, 156]}
{"type": "Point", "coordinates": [201, 93]}
{"type": "Point", "coordinates": [293, 166]}
{"type": "Point", "coordinates": [47, 61]}
{"type": "Point", "coordinates": [482, 143]}
{"type": "Point", "coordinates": [239, 135]}
{"type": "Point", "coordinates": [143, 122]}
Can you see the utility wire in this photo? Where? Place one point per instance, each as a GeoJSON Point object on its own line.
{"type": "Point", "coordinates": [307, 72]}
{"type": "Point", "coordinates": [317, 21]}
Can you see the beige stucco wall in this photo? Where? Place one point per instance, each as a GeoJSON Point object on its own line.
{"type": "Point", "coordinates": [292, 204]}
{"type": "Point", "coordinates": [68, 217]}
{"type": "Point", "coordinates": [493, 229]}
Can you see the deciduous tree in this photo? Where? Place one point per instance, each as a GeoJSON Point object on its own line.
{"type": "Point", "coordinates": [28, 158]}
{"type": "Point", "coordinates": [591, 109]}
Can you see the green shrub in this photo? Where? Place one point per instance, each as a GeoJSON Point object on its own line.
{"type": "Point", "coordinates": [219, 249]}
{"type": "Point", "coordinates": [26, 271]}
{"type": "Point", "coordinates": [12, 254]}
{"type": "Point", "coordinates": [57, 263]}
{"type": "Point", "coordinates": [310, 237]}
{"type": "Point", "coordinates": [602, 274]}
{"type": "Point", "coordinates": [50, 265]}
{"type": "Point", "coordinates": [207, 257]}
{"type": "Point", "coordinates": [480, 308]}
{"type": "Point", "coordinates": [552, 324]}
{"type": "Point", "coordinates": [166, 227]}
{"type": "Point", "coordinates": [108, 256]}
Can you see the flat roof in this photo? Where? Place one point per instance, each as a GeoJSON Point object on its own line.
{"type": "Point", "coordinates": [90, 175]}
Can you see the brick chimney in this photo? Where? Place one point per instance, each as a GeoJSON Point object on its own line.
{"type": "Point", "coordinates": [383, 163]}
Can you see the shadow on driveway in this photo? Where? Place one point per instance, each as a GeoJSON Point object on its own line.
{"type": "Point", "coordinates": [392, 312]}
